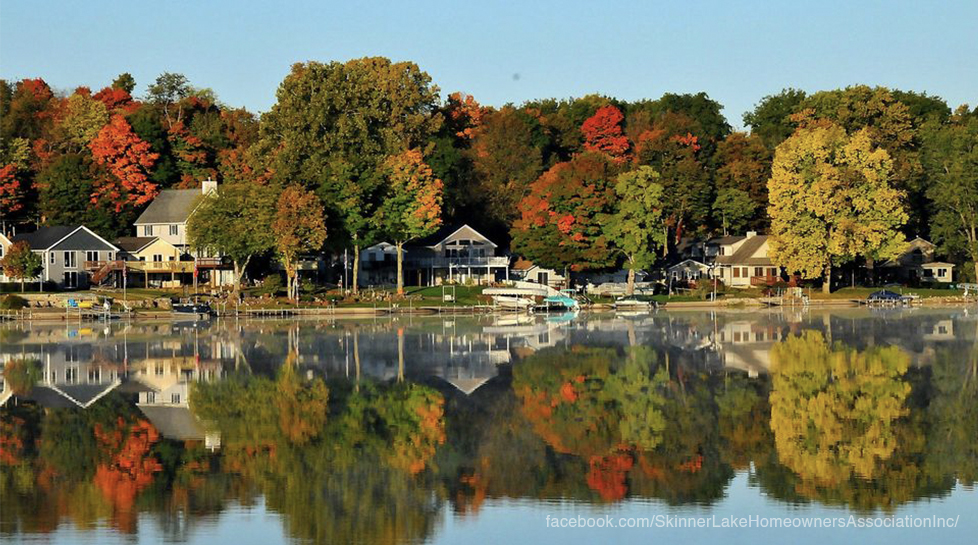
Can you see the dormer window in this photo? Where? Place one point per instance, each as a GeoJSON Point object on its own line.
{"type": "Point", "coordinates": [147, 230]}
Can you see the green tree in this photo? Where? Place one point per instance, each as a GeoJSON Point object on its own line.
{"type": "Point", "coordinates": [168, 92]}
{"type": "Point", "coordinates": [83, 120]}
{"type": "Point", "coordinates": [65, 188]}
{"type": "Point", "coordinates": [411, 205]}
{"type": "Point", "coordinates": [234, 222]}
{"type": "Point", "coordinates": [735, 209]}
{"type": "Point", "coordinates": [21, 262]}
{"type": "Point", "coordinates": [743, 162]}
{"type": "Point", "coordinates": [124, 81]}
{"type": "Point", "coordinates": [636, 228]}
{"type": "Point", "coordinates": [831, 201]}
{"type": "Point", "coordinates": [299, 228]}
{"type": "Point", "coordinates": [950, 156]}
{"type": "Point", "coordinates": [770, 120]}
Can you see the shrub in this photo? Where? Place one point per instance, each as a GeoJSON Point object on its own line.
{"type": "Point", "coordinates": [12, 302]}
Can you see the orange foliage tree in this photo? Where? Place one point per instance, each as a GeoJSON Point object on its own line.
{"type": "Point", "coordinates": [128, 160]}
{"type": "Point", "coordinates": [603, 132]}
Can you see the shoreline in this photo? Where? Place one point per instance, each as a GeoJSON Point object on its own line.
{"type": "Point", "coordinates": [49, 315]}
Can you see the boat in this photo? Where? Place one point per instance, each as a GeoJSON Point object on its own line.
{"type": "Point", "coordinates": [194, 310]}
{"type": "Point", "coordinates": [887, 297]}
{"type": "Point", "coordinates": [513, 302]}
{"type": "Point", "coordinates": [634, 304]}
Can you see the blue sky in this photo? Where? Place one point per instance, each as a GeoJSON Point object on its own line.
{"type": "Point", "coordinates": [736, 51]}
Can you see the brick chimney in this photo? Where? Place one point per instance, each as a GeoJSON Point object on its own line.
{"type": "Point", "coordinates": [208, 186]}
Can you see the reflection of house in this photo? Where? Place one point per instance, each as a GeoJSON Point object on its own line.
{"type": "Point", "coordinates": [746, 345]}
{"type": "Point", "coordinates": [65, 250]}
{"type": "Point", "coordinates": [742, 262]}
{"type": "Point", "coordinates": [527, 271]}
{"type": "Point", "coordinates": [941, 331]}
{"type": "Point", "coordinates": [917, 264]}
{"type": "Point", "coordinates": [165, 395]}
{"type": "Point", "coordinates": [68, 377]}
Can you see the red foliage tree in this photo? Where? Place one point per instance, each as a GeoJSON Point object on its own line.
{"type": "Point", "coordinates": [11, 190]}
{"type": "Point", "coordinates": [603, 132]}
{"type": "Point", "coordinates": [117, 99]}
{"type": "Point", "coordinates": [128, 160]}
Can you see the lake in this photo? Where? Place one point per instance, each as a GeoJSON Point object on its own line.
{"type": "Point", "coordinates": [800, 426]}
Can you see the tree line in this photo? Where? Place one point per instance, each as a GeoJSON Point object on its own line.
{"type": "Point", "coordinates": [586, 183]}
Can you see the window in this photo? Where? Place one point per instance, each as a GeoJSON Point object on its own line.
{"type": "Point", "coordinates": [157, 258]}
{"type": "Point", "coordinates": [774, 272]}
{"type": "Point", "coordinates": [543, 278]}
{"type": "Point", "coordinates": [736, 272]}
{"type": "Point", "coordinates": [758, 271]}
{"type": "Point", "coordinates": [175, 398]}
{"type": "Point", "coordinates": [174, 230]}
{"type": "Point", "coordinates": [150, 397]}
{"type": "Point", "coordinates": [723, 250]}
{"type": "Point", "coordinates": [941, 273]}
{"type": "Point", "coordinates": [91, 256]}
{"type": "Point", "coordinates": [70, 260]}
{"type": "Point", "coordinates": [147, 230]}
{"type": "Point", "coordinates": [71, 279]}
{"type": "Point", "coordinates": [744, 272]}
{"type": "Point", "coordinates": [71, 375]}
{"type": "Point", "coordinates": [1, 251]}
{"type": "Point", "coordinates": [54, 258]}
{"type": "Point", "coordinates": [94, 375]}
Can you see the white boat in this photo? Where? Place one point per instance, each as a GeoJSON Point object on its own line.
{"type": "Point", "coordinates": [513, 302]}
{"type": "Point", "coordinates": [633, 304]}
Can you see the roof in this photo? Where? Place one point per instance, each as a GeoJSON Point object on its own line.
{"type": "Point", "coordinates": [62, 396]}
{"type": "Point", "coordinates": [134, 244]}
{"type": "Point", "coordinates": [745, 254]}
{"type": "Point", "coordinates": [170, 206]}
{"type": "Point", "coordinates": [938, 264]}
{"type": "Point", "coordinates": [174, 422]}
{"type": "Point", "coordinates": [703, 265]}
{"type": "Point", "coordinates": [47, 237]}
{"type": "Point", "coordinates": [522, 264]}
{"type": "Point", "coordinates": [731, 239]}
{"type": "Point", "coordinates": [445, 231]}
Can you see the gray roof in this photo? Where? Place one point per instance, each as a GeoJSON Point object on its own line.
{"type": "Point", "coordinates": [46, 237]}
{"type": "Point", "coordinates": [174, 422]}
{"type": "Point", "coordinates": [730, 239]}
{"type": "Point", "coordinates": [133, 244]}
{"type": "Point", "coordinates": [170, 206]}
{"type": "Point", "coordinates": [745, 254]}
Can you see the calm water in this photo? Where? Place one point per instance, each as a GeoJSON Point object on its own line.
{"type": "Point", "coordinates": [476, 429]}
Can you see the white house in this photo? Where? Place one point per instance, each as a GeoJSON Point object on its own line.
{"type": "Point", "coordinates": [688, 270]}
{"type": "Point", "coordinates": [527, 271]}
{"type": "Point", "coordinates": [68, 253]}
{"type": "Point", "coordinates": [742, 262]}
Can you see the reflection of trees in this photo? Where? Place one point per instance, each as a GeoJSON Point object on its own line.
{"type": "Point", "coordinates": [953, 415]}
{"type": "Point", "coordinates": [844, 426]}
{"type": "Point", "coordinates": [343, 465]}
{"type": "Point", "coordinates": [627, 418]}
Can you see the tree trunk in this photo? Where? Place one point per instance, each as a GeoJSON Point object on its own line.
{"type": "Point", "coordinates": [827, 284]}
{"type": "Point", "coordinates": [356, 268]}
{"type": "Point", "coordinates": [400, 355]}
{"type": "Point", "coordinates": [630, 287]}
{"type": "Point", "coordinates": [400, 268]}
{"type": "Point", "coordinates": [239, 269]}
{"type": "Point", "coordinates": [22, 285]}
{"type": "Point", "coordinates": [356, 357]}
{"type": "Point", "coordinates": [665, 242]}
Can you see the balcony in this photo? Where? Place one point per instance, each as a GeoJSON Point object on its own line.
{"type": "Point", "coordinates": [441, 262]}
{"type": "Point", "coordinates": [764, 280]}
{"type": "Point", "coordinates": [155, 266]}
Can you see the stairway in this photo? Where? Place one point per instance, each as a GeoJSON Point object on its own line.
{"type": "Point", "coordinates": [103, 272]}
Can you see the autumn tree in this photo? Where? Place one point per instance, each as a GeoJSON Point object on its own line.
{"type": "Point", "coordinates": [561, 222]}
{"type": "Point", "coordinates": [333, 126]}
{"type": "Point", "coordinates": [234, 222]}
{"type": "Point", "coordinates": [84, 118]}
{"type": "Point", "coordinates": [950, 155]}
{"type": "Point", "coordinates": [21, 262]}
{"type": "Point", "coordinates": [128, 160]}
{"type": "Point", "coordinates": [636, 228]}
{"type": "Point", "coordinates": [735, 209]}
{"type": "Point", "coordinates": [411, 205]}
{"type": "Point", "coordinates": [743, 163]}
{"type": "Point", "coordinates": [299, 227]}
{"type": "Point", "coordinates": [603, 132]}
{"type": "Point", "coordinates": [831, 201]}
{"type": "Point", "coordinates": [14, 176]}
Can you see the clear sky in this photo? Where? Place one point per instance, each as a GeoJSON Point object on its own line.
{"type": "Point", "coordinates": [499, 52]}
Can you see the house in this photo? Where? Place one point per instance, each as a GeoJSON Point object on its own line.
{"type": "Point", "coordinates": [527, 271]}
{"type": "Point", "coordinates": [742, 262]}
{"type": "Point", "coordinates": [155, 261]}
{"type": "Point", "coordinates": [4, 244]}
{"type": "Point", "coordinates": [166, 217]}
{"type": "Point", "coordinates": [688, 270]}
{"type": "Point", "coordinates": [917, 264]}
{"type": "Point", "coordinates": [378, 265]}
{"type": "Point", "coordinates": [67, 253]}
{"type": "Point", "coordinates": [454, 255]}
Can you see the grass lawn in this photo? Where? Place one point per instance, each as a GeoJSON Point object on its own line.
{"type": "Point", "coordinates": [862, 293]}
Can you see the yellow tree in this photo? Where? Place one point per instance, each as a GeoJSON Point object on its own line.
{"type": "Point", "coordinates": [299, 227]}
{"type": "Point", "coordinates": [831, 201]}
{"type": "Point", "coordinates": [411, 206]}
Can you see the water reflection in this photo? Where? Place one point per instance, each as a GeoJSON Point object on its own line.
{"type": "Point", "coordinates": [367, 431]}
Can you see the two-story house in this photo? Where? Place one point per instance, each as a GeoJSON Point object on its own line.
{"type": "Point", "coordinates": [917, 264]}
{"type": "Point", "coordinates": [65, 252]}
{"type": "Point", "coordinates": [742, 262]}
{"type": "Point", "coordinates": [457, 254]}
{"type": "Point", "coordinates": [166, 217]}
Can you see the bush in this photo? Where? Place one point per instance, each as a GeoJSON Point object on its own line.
{"type": "Point", "coordinates": [271, 285]}
{"type": "Point", "coordinates": [12, 302]}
